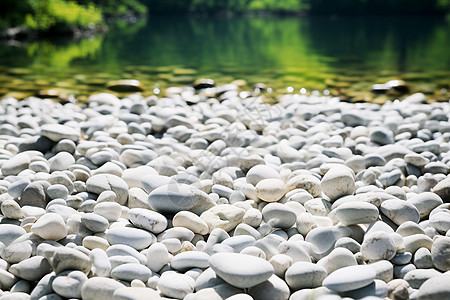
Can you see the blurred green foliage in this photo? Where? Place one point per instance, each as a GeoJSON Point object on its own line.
{"type": "Point", "coordinates": [60, 14]}
{"type": "Point", "coordinates": [48, 15]}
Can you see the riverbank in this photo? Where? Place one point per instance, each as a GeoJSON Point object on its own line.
{"type": "Point", "coordinates": [178, 195]}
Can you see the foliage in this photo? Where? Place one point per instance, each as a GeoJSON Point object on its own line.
{"type": "Point", "coordinates": [49, 15]}
{"type": "Point", "coordinates": [119, 8]}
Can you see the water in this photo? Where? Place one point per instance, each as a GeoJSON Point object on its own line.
{"type": "Point", "coordinates": [344, 56]}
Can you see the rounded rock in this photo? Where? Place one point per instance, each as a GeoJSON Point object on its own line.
{"type": "Point", "coordinates": [349, 278]}
{"type": "Point", "coordinates": [50, 226]}
{"type": "Point", "coordinates": [302, 275]}
{"type": "Point", "coordinates": [337, 182]}
{"type": "Point", "coordinates": [99, 288]}
{"type": "Point", "coordinates": [271, 189]}
{"type": "Point", "coordinates": [136, 238]}
{"type": "Point", "coordinates": [149, 220]}
{"type": "Point", "coordinates": [353, 213]}
{"type": "Point", "coordinates": [229, 266]}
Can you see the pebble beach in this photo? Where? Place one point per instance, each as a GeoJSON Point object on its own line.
{"type": "Point", "coordinates": [210, 193]}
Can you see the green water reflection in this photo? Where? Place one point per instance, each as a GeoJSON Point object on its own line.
{"type": "Point", "coordinates": [345, 56]}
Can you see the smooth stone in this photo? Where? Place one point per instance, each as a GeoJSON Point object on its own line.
{"type": "Point", "coordinates": [238, 243]}
{"type": "Point", "coordinates": [423, 259]}
{"type": "Point", "coordinates": [271, 189]}
{"type": "Point", "coordinates": [174, 197]}
{"type": "Point", "coordinates": [400, 211]}
{"type": "Point", "coordinates": [416, 241]}
{"type": "Point", "coordinates": [272, 289]}
{"type": "Point", "coordinates": [398, 289]}
{"type": "Point", "coordinates": [117, 260]}
{"type": "Point", "coordinates": [384, 270]}
{"type": "Point", "coordinates": [442, 189]}
{"type": "Point", "coordinates": [95, 222]}
{"type": "Point", "coordinates": [16, 188]}
{"type": "Point", "coordinates": [31, 269]}
{"type": "Point", "coordinates": [9, 233]}
{"type": "Point", "coordinates": [69, 286]}
{"type": "Point", "coordinates": [11, 210]}
{"type": "Point", "coordinates": [57, 132]}
{"type": "Point", "coordinates": [402, 258]}
{"type": "Point", "coordinates": [353, 213]}
{"type": "Point", "coordinates": [260, 172]}
{"type": "Point", "coordinates": [208, 279]}
{"type": "Point", "coordinates": [337, 182]}
{"type": "Point", "coordinates": [111, 211]}
{"type": "Point", "coordinates": [417, 277]}
{"type": "Point", "coordinates": [295, 250]}
{"type": "Point", "coordinates": [440, 253]}
{"type": "Point", "coordinates": [229, 267]}
{"type": "Point", "coordinates": [378, 246]}
{"type": "Point", "coordinates": [17, 252]}
{"type": "Point", "coordinates": [44, 288]}
{"type": "Point", "coordinates": [190, 221]}
{"type": "Point", "coordinates": [381, 136]}
{"type": "Point", "coordinates": [377, 289]}
{"type": "Point", "coordinates": [136, 238]}
{"type": "Point", "coordinates": [175, 285]}
{"type": "Point", "coordinates": [50, 226]}
{"type": "Point", "coordinates": [181, 233]}
{"type": "Point", "coordinates": [303, 275]}
{"type": "Point", "coordinates": [425, 203]}
{"type": "Point", "coordinates": [402, 270]}
{"type": "Point", "coordinates": [100, 288]}
{"type": "Point", "coordinates": [190, 259]}
{"type": "Point", "coordinates": [108, 182]}
{"type": "Point", "coordinates": [348, 243]}
{"type": "Point", "coordinates": [101, 265]}
{"type": "Point", "coordinates": [224, 216]}
{"type": "Point", "coordinates": [33, 195]}
{"type": "Point", "coordinates": [440, 221]}
{"type": "Point", "coordinates": [66, 258]}
{"type": "Point", "coordinates": [153, 181]}
{"type": "Point", "coordinates": [279, 215]}
{"type": "Point", "coordinates": [252, 217]}
{"type": "Point", "coordinates": [57, 191]}
{"type": "Point", "coordinates": [349, 278]}
{"type": "Point", "coordinates": [338, 258]}
{"type": "Point", "coordinates": [435, 288]}
{"type": "Point", "coordinates": [133, 176]}
{"type": "Point", "coordinates": [409, 228]}
{"type": "Point", "coordinates": [157, 256]}
{"type": "Point", "coordinates": [280, 263]}
{"type": "Point", "coordinates": [129, 272]}
{"type": "Point", "coordinates": [137, 198]}
{"type": "Point", "coordinates": [149, 220]}
{"type": "Point", "coordinates": [61, 161]}
{"type": "Point", "coordinates": [16, 164]}
{"type": "Point", "coordinates": [135, 293]}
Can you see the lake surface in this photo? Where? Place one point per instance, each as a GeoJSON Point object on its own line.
{"type": "Point", "coordinates": [341, 56]}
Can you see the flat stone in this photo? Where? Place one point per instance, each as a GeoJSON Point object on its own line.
{"type": "Point", "coordinates": [349, 278]}
{"type": "Point", "coordinates": [302, 275]}
{"type": "Point", "coordinates": [94, 222]}
{"type": "Point", "coordinates": [172, 198]}
{"type": "Point", "coordinates": [189, 260]}
{"type": "Point", "coordinates": [241, 270]}
{"type": "Point", "coordinates": [111, 211]}
{"type": "Point", "coordinates": [57, 132]}
{"type": "Point", "coordinates": [15, 164]}
{"type": "Point", "coordinates": [136, 238]}
{"type": "Point", "coordinates": [129, 272]}
{"type": "Point", "coordinates": [149, 220]}
{"type": "Point", "coordinates": [353, 213]}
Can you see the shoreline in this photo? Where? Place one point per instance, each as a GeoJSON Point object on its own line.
{"type": "Point", "coordinates": [177, 195]}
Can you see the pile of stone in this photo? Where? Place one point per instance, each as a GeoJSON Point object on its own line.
{"type": "Point", "coordinates": [190, 196]}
